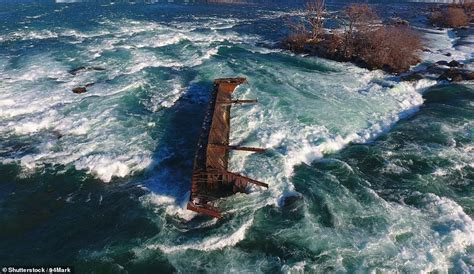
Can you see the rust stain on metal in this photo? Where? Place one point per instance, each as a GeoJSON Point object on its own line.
{"type": "Point", "coordinates": [211, 180]}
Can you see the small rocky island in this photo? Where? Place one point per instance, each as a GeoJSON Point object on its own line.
{"type": "Point", "coordinates": [359, 35]}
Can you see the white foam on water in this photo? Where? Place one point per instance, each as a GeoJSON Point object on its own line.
{"type": "Point", "coordinates": [455, 235]}
{"type": "Point", "coordinates": [33, 98]}
{"type": "Point", "coordinates": [169, 203]}
{"type": "Point", "coordinates": [208, 243]}
{"type": "Point", "coordinates": [304, 115]}
{"type": "Point", "coordinates": [35, 125]}
{"type": "Point", "coordinates": [298, 267]}
{"type": "Point", "coordinates": [295, 143]}
{"type": "Point", "coordinates": [444, 42]}
{"type": "Point", "coordinates": [92, 140]}
{"type": "Point", "coordinates": [29, 34]}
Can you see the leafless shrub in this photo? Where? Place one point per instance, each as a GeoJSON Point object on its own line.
{"type": "Point", "coordinates": [393, 48]}
{"type": "Point", "coordinates": [315, 10]}
{"type": "Point", "coordinates": [358, 18]}
{"type": "Point", "coordinates": [296, 42]}
{"type": "Point", "coordinates": [466, 5]}
{"type": "Point", "coordinates": [307, 29]}
{"type": "Point", "coordinates": [451, 17]}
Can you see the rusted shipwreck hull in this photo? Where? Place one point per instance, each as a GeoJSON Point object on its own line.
{"type": "Point", "coordinates": [211, 180]}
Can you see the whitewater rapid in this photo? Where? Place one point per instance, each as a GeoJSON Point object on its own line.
{"type": "Point", "coordinates": [308, 108]}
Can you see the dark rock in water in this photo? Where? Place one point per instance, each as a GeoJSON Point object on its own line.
{"type": "Point", "coordinates": [412, 77]}
{"type": "Point", "coordinates": [80, 69]}
{"type": "Point", "coordinates": [442, 63]}
{"type": "Point", "coordinates": [448, 54]}
{"type": "Point", "coordinates": [469, 75]}
{"type": "Point", "coordinates": [79, 90]}
{"type": "Point", "coordinates": [435, 69]}
{"type": "Point", "coordinates": [455, 75]}
{"type": "Point", "coordinates": [291, 200]}
{"type": "Point", "coordinates": [454, 63]}
{"type": "Point", "coordinates": [399, 22]}
{"type": "Point", "coordinates": [426, 50]}
{"type": "Point", "coordinates": [58, 135]}
{"type": "Point", "coordinates": [83, 89]}
{"type": "Point", "coordinates": [76, 70]}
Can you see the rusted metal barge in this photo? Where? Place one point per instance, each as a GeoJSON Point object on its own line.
{"type": "Point", "coordinates": [211, 180]}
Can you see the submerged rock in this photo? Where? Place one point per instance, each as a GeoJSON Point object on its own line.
{"type": "Point", "coordinates": [291, 200]}
{"type": "Point", "coordinates": [76, 70]}
{"type": "Point", "coordinates": [412, 77]}
{"type": "Point", "coordinates": [80, 69]}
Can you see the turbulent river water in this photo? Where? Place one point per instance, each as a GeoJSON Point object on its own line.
{"type": "Point", "coordinates": [381, 171]}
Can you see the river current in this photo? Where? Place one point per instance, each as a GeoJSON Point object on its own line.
{"type": "Point", "coordinates": [379, 172]}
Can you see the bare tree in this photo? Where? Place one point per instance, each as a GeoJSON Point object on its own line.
{"type": "Point", "coordinates": [357, 19]}
{"type": "Point", "coordinates": [308, 28]}
{"type": "Point", "coordinates": [314, 16]}
{"type": "Point", "coordinates": [364, 39]}
{"type": "Point", "coordinates": [360, 17]}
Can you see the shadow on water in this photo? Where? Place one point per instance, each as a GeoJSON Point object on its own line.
{"type": "Point", "coordinates": [57, 215]}
{"type": "Point", "coordinates": [60, 215]}
{"type": "Point", "coordinates": [175, 153]}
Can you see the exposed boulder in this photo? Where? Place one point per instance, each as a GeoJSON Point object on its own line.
{"type": "Point", "coordinates": [454, 63]}
{"type": "Point", "coordinates": [456, 75]}
{"type": "Point", "coordinates": [83, 89]}
{"type": "Point", "coordinates": [469, 76]}
{"type": "Point", "coordinates": [79, 90]}
{"type": "Point", "coordinates": [398, 21]}
{"type": "Point", "coordinates": [442, 63]}
{"type": "Point", "coordinates": [453, 71]}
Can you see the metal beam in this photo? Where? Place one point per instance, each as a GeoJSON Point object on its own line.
{"type": "Point", "coordinates": [206, 210]}
{"type": "Point", "coordinates": [234, 176]}
{"type": "Point", "coordinates": [230, 102]}
{"type": "Point", "coordinates": [252, 149]}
